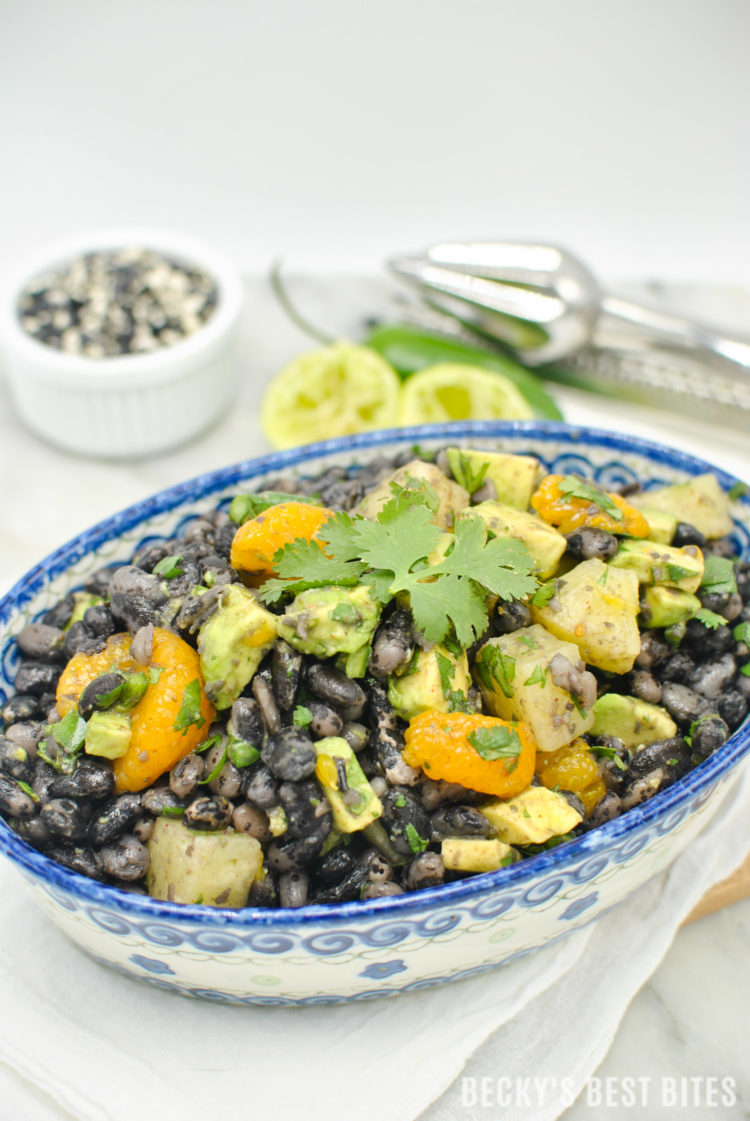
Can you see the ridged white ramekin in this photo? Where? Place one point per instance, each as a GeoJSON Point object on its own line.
{"type": "Point", "coordinates": [132, 404]}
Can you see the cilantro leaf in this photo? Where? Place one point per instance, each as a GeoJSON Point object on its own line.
{"type": "Point", "coordinates": [417, 844]}
{"type": "Point", "coordinates": [242, 753]}
{"type": "Point", "coordinates": [502, 564]}
{"type": "Point", "coordinates": [718, 576]}
{"type": "Point", "coordinates": [169, 566]}
{"type": "Point", "coordinates": [573, 487]}
{"type": "Point", "coordinates": [710, 619]}
{"type": "Point", "coordinates": [69, 732]}
{"type": "Point", "coordinates": [496, 743]}
{"type": "Point", "coordinates": [464, 473]}
{"type": "Point", "coordinates": [538, 676]}
{"type": "Point", "coordinates": [741, 633]}
{"type": "Point", "coordinates": [609, 753]}
{"type": "Point", "coordinates": [496, 668]}
{"type": "Point", "coordinates": [190, 710]}
{"type": "Point", "coordinates": [302, 564]}
{"type": "Point", "coordinates": [545, 593]}
{"type": "Point", "coordinates": [302, 716]}
{"type": "Point", "coordinates": [445, 669]}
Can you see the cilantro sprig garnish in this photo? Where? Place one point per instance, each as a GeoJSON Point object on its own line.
{"type": "Point", "coordinates": [391, 555]}
{"type": "Point", "coordinates": [718, 576]}
{"type": "Point", "coordinates": [497, 743]}
{"type": "Point", "coordinates": [573, 487]}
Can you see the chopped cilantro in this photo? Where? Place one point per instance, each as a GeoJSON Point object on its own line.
{"type": "Point", "coordinates": [302, 716]}
{"type": "Point", "coordinates": [416, 843]}
{"type": "Point", "coordinates": [609, 753]}
{"type": "Point", "coordinates": [544, 594]}
{"type": "Point", "coordinates": [538, 676]}
{"type": "Point", "coordinates": [574, 487]}
{"type": "Point", "coordinates": [496, 743]}
{"type": "Point", "coordinates": [738, 490]}
{"type": "Point", "coordinates": [710, 619]}
{"type": "Point", "coordinates": [154, 673]}
{"type": "Point", "coordinates": [741, 633]}
{"type": "Point", "coordinates": [745, 670]}
{"type": "Point", "coordinates": [246, 506]}
{"type": "Point", "coordinates": [104, 700]}
{"type": "Point", "coordinates": [135, 686]}
{"type": "Point", "coordinates": [400, 801]}
{"type": "Point", "coordinates": [467, 476]}
{"type": "Point", "coordinates": [172, 811]}
{"type": "Point", "coordinates": [452, 646]}
{"type": "Point", "coordinates": [529, 643]}
{"type": "Point", "coordinates": [458, 701]}
{"type": "Point", "coordinates": [526, 813]}
{"type": "Point", "coordinates": [676, 572]}
{"type": "Point", "coordinates": [69, 732]}
{"type": "Point", "coordinates": [603, 578]}
{"type": "Point", "coordinates": [190, 709]}
{"type": "Point", "coordinates": [345, 613]}
{"type": "Point", "coordinates": [498, 667]}
{"type": "Point", "coordinates": [169, 567]}
{"type": "Point", "coordinates": [241, 753]}
{"type": "Point", "coordinates": [718, 577]}
{"type": "Point", "coordinates": [446, 670]}
{"type": "Point", "coordinates": [210, 742]}
{"type": "Point", "coordinates": [218, 768]}
{"type": "Point", "coordinates": [27, 789]}
{"type": "Point", "coordinates": [390, 555]}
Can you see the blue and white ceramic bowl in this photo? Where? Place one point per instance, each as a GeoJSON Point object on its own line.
{"type": "Point", "coordinates": [356, 950]}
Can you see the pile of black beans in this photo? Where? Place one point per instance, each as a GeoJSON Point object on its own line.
{"type": "Point", "coordinates": [80, 821]}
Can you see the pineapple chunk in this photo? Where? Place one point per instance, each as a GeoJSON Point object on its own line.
{"type": "Point", "coordinates": [472, 854]}
{"type": "Point", "coordinates": [532, 817]}
{"type": "Point", "coordinates": [450, 496]}
{"type": "Point", "coordinates": [514, 477]}
{"type": "Point", "coordinates": [700, 502]}
{"type": "Point", "coordinates": [596, 607]}
{"type": "Point", "coordinates": [514, 675]}
{"type": "Point", "coordinates": [216, 869]}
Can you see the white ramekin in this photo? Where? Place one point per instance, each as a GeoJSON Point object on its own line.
{"type": "Point", "coordinates": [132, 404]}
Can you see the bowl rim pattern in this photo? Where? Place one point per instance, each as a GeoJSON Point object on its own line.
{"type": "Point", "coordinates": [698, 782]}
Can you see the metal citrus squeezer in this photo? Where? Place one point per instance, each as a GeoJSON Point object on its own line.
{"type": "Point", "coordinates": [543, 303]}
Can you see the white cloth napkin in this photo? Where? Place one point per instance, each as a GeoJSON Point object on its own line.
{"type": "Point", "coordinates": [77, 1040]}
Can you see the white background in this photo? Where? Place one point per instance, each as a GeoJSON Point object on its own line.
{"type": "Point", "coordinates": [338, 131]}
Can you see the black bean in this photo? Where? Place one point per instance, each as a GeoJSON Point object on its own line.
{"type": "Point", "coordinates": [405, 820]}
{"type": "Point", "coordinates": [150, 555]}
{"type": "Point", "coordinates": [590, 542]}
{"type": "Point", "coordinates": [65, 817]}
{"type": "Point", "coordinates": [14, 800]}
{"type": "Point", "coordinates": [733, 708]}
{"type": "Point", "coordinates": [605, 809]}
{"type": "Point", "coordinates": [209, 812]}
{"type": "Point", "coordinates": [575, 803]}
{"type": "Point", "coordinates": [641, 789]}
{"type": "Point", "coordinates": [185, 775]}
{"type": "Point", "coordinates": [654, 650]}
{"type": "Point", "coordinates": [263, 893]}
{"type": "Point", "coordinates": [644, 685]}
{"type": "Point", "coordinates": [343, 494]}
{"type": "Point", "coordinates": [44, 776]}
{"type": "Point", "coordinates": [377, 867]}
{"type": "Point", "coordinates": [294, 888]}
{"type": "Point", "coordinates": [733, 608]}
{"type": "Point", "coordinates": [349, 886]}
{"type": "Point", "coordinates": [201, 530]}
{"type": "Point", "coordinates": [425, 870]}
{"type": "Point", "coordinates": [459, 821]}
{"type": "Point", "coordinates": [290, 754]}
{"type": "Point", "coordinates": [510, 616]}
{"type": "Point", "coordinates": [127, 859]}
{"type": "Point", "coordinates": [81, 860]}
{"type": "Point", "coordinates": [703, 640]}
{"type": "Point", "coordinates": [251, 819]}
{"type": "Point", "coordinates": [41, 642]}
{"type": "Point", "coordinates": [26, 735]}
{"type": "Point", "coordinates": [336, 864]}
{"type": "Point", "coordinates": [223, 539]}
{"type": "Point", "coordinates": [672, 755]}
{"type": "Point", "coordinates": [98, 582]}
{"type": "Point", "coordinates": [228, 782]}
{"type": "Point", "coordinates": [15, 761]}
{"type": "Point", "coordinates": [393, 647]}
{"type": "Point", "coordinates": [356, 735]}
{"type": "Point", "coordinates": [434, 794]}
{"type": "Point", "coordinates": [130, 582]}
{"type": "Point", "coordinates": [263, 694]}
{"type": "Point", "coordinates": [387, 738]}
{"type": "Point", "coordinates": [77, 638]}
{"type": "Point", "coordinates": [743, 580]}
{"type": "Point", "coordinates": [720, 547]}
{"type": "Point", "coordinates": [98, 621]}
{"type": "Point", "coordinates": [97, 693]}
{"type": "Point", "coordinates": [134, 611]}
{"type": "Point", "coordinates": [708, 734]}
{"type": "Point", "coordinates": [686, 534]}
{"type": "Point", "coordinates": [159, 798]}
{"type": "Point", "coordinates": [683, 704]}
{"type": "Point", "coordinates": [91, 778]}
{"type": "Point", "coordinates": [37, 678]}
{"type": "Point", "coordinates": [143, 828]}
{"type": "Point", "coordinates": [335, 687]}
{"type": "Point", "coordinates": [325, 720]}
{"type": "Point", "coordinates": [22, 706]}
{"type": "Point", "coordinates": [246, 721]}
{"type": "Point", "coordinates": [679, 667]}
{"type": "Point", "coordinates": [59, 615]}
{"type": "Point", "coordinates": [712, 678]}
{"type": "Point", "coordinates": [307, 810]}
{"type": "Point", "coordinates": [261, 786]}
{"type": "Point", "coordinates": [289, 854]}
{"type": "Point", "coordinates": [31, 829]}
{"type": "Point", "coordinates": [380, 890]}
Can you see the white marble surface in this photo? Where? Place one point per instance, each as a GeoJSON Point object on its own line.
{"type": "Point", "coordinates": [691, 1019]}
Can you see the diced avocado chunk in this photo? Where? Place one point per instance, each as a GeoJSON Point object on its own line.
{"type": "Point", "coordinates": [233, 643]}
{"type": "Point", "coordinates": [471, 854]}
{"type": "Point", "coordinates": [448, 496]}
{"type": "Point", "coordinates": [596, 607]}
{"type": "Point", "coordinates": [631, 720]}
{"type": "Point", "coordinates": [513, 674]}
{"type": "Point", "coordinates": [437, 680]}
{"type": "Point", "coordinates": [354, 803]}
{"type": "Point", "coordinates": [355, 664]}
{"type": "Point", "coordinates": [545, 544]}
{"type": "Point", "coordinates": [216, 869]}
{"type": "Point", "coordinates": [514, 477]}
{"type": "Point", "coordinates": [531, 817]}
{"type": "Point", "coordinates": [661, 525]}
{"type": "Point", "coordinates": [661, 564]}
{"type": "Point", "coordinates": [107, 734]}
{"type": "Point", "coordinates": [700, 502]}
{"type": "Point", "coordinates": [663, 607]}
{"type": "Point", "coordinates": [83, 601]}
{"type": "Point", "coordinates": [332, 620]}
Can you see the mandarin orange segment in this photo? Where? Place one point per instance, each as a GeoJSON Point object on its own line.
{"type": "Point", "coordinates": [569, 513]}
{"type": "Point", "coordinates": [573, 768]}
{"type": "Point", "coordinates": [439, 743]}
{"type": "Point", "coordinates": [256, 542]}
{"type": "Point", "coordinates": [155, 745]}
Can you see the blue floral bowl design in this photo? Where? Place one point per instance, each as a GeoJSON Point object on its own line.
{"type": "Point", "coordinates": [352, 951]}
